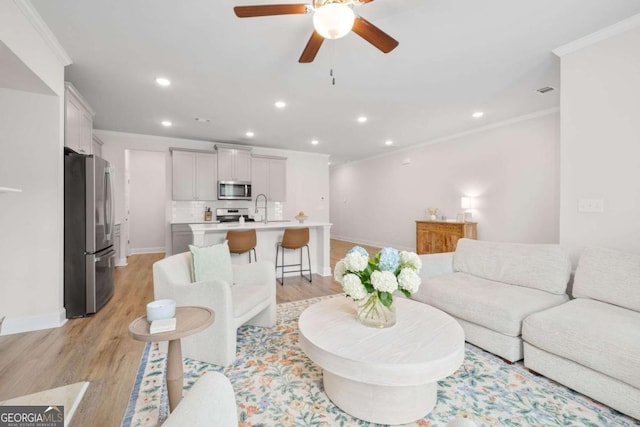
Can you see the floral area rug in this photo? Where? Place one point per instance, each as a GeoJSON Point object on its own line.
{"type": "Point", "coordinates": [276, 384]}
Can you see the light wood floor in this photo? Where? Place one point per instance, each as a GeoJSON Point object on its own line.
{"type": "Point", "coordinates": [98, 348]}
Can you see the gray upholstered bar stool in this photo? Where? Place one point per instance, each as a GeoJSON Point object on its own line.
{"type": "Point", "coordinates": [242, 241]}
{"type": "Point", "coordinates": [294, 238]}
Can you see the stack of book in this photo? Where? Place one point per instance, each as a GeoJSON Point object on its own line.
{"type": "Point", "coordinates": [162, 325]}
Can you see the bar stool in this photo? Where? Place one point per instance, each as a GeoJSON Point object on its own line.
{"type": "Point", "coordinates": [294, 238]}
{"type": "Point", "coordinates": [242, 241]}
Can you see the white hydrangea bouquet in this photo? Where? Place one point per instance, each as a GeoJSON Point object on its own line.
{"type": "Point", "coordinates": [372, 281]}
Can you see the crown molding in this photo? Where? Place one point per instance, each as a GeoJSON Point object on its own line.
{"type": "Point", "coordinates": [72, 89]}
{"type": "Point", "coordinates": [43, 29]}
{"type": "Point", "coordinates": [628, 24]}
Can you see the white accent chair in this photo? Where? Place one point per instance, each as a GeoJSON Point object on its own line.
{"type": "Point", "coordinates": [250, 299]}
{"type": "Point", "coordinates": [210, 402]}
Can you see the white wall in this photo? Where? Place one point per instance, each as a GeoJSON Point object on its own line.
{"type": "Point", "coordinates": [307, 175]}
{"type": "Point", "coordinates": [147, 201]}
{"type": "Point", "coordinates": [601, 144]}
{"type": "Point", "coordinates": [31, 147]}
{"type": "Point", "coordinates": [512, 170]}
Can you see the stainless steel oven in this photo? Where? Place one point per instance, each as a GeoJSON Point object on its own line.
{"type": "Point", "coordinates": [234, 190]}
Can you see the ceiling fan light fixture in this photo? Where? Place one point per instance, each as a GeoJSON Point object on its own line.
{"type": "Point", "coordinates": [333, 20]}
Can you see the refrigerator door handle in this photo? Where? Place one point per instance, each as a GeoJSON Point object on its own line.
{"type": "Point", "coordinates": [108, 210]}
{"type": "Point", "coordinates": [107, 255]}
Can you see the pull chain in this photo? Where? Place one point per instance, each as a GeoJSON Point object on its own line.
{"type": "Point", "coordinates": [333, 52]}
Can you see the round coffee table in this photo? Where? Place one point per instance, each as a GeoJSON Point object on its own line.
{"type": "Point", "coordinates": [385, 376]}
{"type": "Point", "coordinates": [189, 320]}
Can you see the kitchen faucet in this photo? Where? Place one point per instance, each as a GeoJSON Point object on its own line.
{"type": "Point", "coordinates": [265, 206]}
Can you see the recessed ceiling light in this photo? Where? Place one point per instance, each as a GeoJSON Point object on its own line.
{"type": "Point", "coordinates": [162, 81]}
{"type": "Point", "coordinates": [477, 114]}
{"type": "Point", "coordinates": [315, 142]}
{"type": "Point", "coordinates": [328, 163]}
{"type": "Point", "coordinates": [166, 123]}
{"type": "Point", "coordinates": [362, 119]}
{"type": "Point", "coordinates": [250, 134]}
{"type": "Point", "coordinates": [280, 104]}
{"type": "Point", "coordinates": [388, 142]}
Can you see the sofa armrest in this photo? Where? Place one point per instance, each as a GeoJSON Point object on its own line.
{"type": "Point", "coordinates": [257, 273]}
{"type": "Point", "coordinates": [436, 265]}
{"type": "Point", "coordinates": [211, 402]}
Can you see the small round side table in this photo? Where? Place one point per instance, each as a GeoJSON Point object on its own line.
{"type": "Point", "coordinates": [189, 320]}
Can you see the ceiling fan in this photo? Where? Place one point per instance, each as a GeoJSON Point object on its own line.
{"type": "Point", "coordinates": [332, 19]}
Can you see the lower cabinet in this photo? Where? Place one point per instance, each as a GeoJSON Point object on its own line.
{"type": "Point", "coordinates": [181, 238]}
{"type": "Point", "coordinates": [437, 236]}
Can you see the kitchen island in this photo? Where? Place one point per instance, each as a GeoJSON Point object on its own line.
{"type": "Point", "coordinates": [269, 235]}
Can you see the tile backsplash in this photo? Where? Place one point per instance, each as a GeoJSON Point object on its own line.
{"type": "Point", "coordinates": [194, 210]}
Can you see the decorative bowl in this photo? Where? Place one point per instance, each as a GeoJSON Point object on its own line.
{"type": "Point", "coordinates": [301, 218]}
{"type": "Point", "coordinates": [161, 309]}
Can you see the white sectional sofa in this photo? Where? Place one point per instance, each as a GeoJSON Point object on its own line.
{"type": "Point", "coordinates": [592, 343]}
{"type": "Point", "coordinates": [491, 287]}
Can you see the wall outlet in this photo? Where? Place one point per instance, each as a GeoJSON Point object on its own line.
{"type": "Point", "coordinates": [591, 205]}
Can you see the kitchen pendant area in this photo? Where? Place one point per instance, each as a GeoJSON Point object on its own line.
{"type": "Point", "coordinates": [285, 182]}
{"type": "Point", "coordinates": [251, 194]}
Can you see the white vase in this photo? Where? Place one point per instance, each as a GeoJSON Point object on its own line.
{"type": "Point", "coordinates": [371, 312]}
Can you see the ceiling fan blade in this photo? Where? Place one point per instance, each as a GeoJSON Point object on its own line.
{"type": "Point", "coordinates": [311, 49]}
{"type": "Point", "coordinates": [270, 10]}
{"type": "Point", "coordinates": [374, 35]}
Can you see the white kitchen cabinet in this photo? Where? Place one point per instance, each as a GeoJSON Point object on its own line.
{"type": "Point", "coordinates": [97, 146]}
{"type": "Point", "coordinates": [206, 176]}
{"type": "Point", "coordinates": [181, 238]}
{"type": "Point", "coordinates": [269, 177]}
{"type": "Point", "coordinates": [234, 164]}
{"type": "Point", "coordinates": [78, 123]}
{"type": "Point", "coordinates": [194, 175]}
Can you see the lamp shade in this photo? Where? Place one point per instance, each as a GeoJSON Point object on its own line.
{"type": "Point", "coordinates": [333, 20]}
{"type": "Point", "coordinates": [466, 202]}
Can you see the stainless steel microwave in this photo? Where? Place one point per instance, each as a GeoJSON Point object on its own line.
{"type": "Point", "coordinates": [234, 190]}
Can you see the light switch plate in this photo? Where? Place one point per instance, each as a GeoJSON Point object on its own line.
{"type": "Point", "coordinates": [591, 205]}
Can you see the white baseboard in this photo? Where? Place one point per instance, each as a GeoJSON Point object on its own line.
{"type": "Point", "coordinates": [16, 325]}
{"type": "Point", "coordinates": [372, 243]}
{"type": "Point", "coordinates": [139, 251]}
{"type": "Point", "coordinates": [122, 262]}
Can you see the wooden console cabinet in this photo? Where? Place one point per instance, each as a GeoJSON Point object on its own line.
{"type": "Point", "coordinates": [438, 236]}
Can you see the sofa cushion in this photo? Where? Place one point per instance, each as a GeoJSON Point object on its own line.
{"type": "Point", "coordinates": [212, 262]}
{"type": "Point", "coordinates": [609, 276]}
{"type": "Point", "coordinates": [600, 336]}
{"type": "Point", "coordinates": [537, 266]}
{"type": "Point", "coordinates": [247, 297]}
{"type": "Point", "coordinates": [494, 305]}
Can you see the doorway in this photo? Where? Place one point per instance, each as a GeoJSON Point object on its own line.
{"type": "Point", "coordinates": [145, 200]}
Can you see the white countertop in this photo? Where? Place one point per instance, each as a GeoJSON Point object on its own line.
{"type": "Point", "coordinates": [186, 221]}
{"type": "Point", "coordinates": [257, 225]}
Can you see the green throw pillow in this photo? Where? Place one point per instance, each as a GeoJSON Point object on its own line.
{"type": "Point", "coordinates": [211, 262]}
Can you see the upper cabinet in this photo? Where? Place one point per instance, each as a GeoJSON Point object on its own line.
{"type": "Point", "coordinates": [194, 175]}
{"type": "Point", "coordinates": [78, 124]}
{"type": "Point", "coordinates": [97, 146]}
{"type": "Point", "coordinates": [269, 177]}
{"type": "Point", "coordinates": [234, 165]}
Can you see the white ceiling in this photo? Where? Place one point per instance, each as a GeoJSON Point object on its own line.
{"type": "Point", "coordinates": [455, 57]}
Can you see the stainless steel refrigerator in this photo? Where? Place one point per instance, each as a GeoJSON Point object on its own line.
{"type": "Point", "coordinates": [89, 255]}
